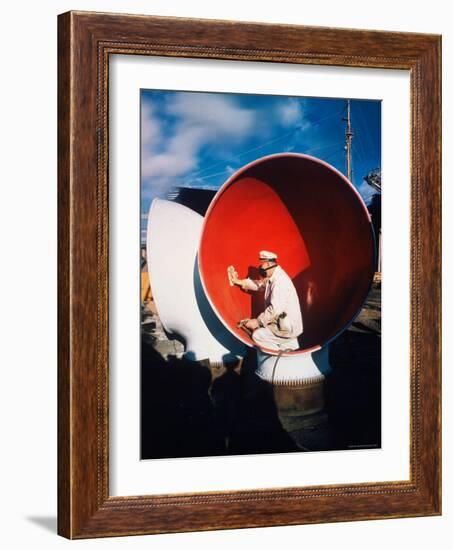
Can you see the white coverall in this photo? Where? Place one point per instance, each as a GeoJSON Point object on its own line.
{"type": "Point", "coordinates": [280, 297]}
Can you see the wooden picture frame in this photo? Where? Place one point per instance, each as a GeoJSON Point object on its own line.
{"type": "Point", "coordinates": [85, 41]}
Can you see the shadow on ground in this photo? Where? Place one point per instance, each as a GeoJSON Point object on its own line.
{"type": "Point", "coordinates": [183, 414]}
{"type": "Point", "coordinates": [187, 414]}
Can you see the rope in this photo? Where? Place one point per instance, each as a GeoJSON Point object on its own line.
{"type": "Point", "coordinates": [265, 144]}
{"type": "Point", "coordinates": [280, 353]}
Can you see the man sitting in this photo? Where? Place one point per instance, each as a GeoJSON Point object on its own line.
{"type": "Point", "coordinates": [279, 325]}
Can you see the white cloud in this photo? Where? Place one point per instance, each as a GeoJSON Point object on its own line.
{"type": "Point", "coordinates": [179, 156]}
{"type": "Point", "coordinates": [366, 192]}
{"type": "Point", "coordinates": [220, 116]}
{"type": "Point", "coordinates": [200, 120]}
{"type": "Point", "coordinates": [289, 113]}
{"type": "Point", "coordinates": [150, 127]}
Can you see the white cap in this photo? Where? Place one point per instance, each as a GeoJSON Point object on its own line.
{"type": "Point", "coordinates": [265, 255]}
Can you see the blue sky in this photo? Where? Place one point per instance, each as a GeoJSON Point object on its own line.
{"type": "Point", "coordinates": [199, 139]}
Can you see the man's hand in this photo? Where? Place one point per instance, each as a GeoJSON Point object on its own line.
{"type": "Point", "coordinates": [252, 324]}
{"type": "Point", "coordinates": [232, 275]}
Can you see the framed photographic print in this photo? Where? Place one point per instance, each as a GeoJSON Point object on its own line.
{"type": "Point", "coordinates": [273, 398]}
{"type": "Point", "coordinates": [249, 321]}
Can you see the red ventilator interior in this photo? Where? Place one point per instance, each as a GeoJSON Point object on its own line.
{"type": "Point", "coordinates": [312, 217]}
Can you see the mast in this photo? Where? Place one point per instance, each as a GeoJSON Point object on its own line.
{"type": "Point", "coordinates": [348, 146]}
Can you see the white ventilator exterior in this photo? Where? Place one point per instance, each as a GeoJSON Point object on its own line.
{"type": "Point", "coordinates": [298, 369]}
{"type": "Point", "coordinates": [172, 244]}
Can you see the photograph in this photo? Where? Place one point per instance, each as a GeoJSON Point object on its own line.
{"type": "Point", "coordinates": [260, 274]}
